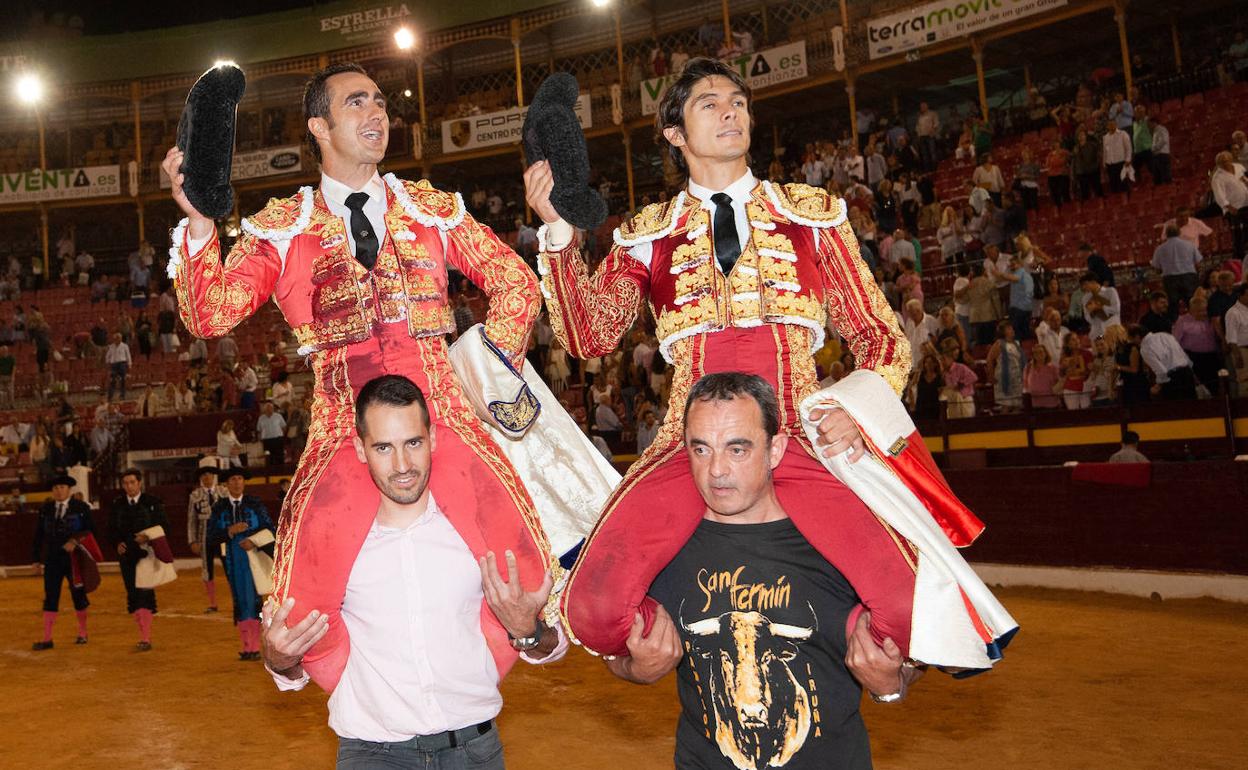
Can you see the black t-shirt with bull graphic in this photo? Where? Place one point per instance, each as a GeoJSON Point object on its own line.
{"type": "Point", "coordinates": [763, 683]}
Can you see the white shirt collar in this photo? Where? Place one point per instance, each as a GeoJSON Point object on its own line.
{"type": "Point", "coordinates": [739, 190]}
{"type": "Point", "coordinates": [133, 500]}
{"type": "Point", "coordinates": [336, 192]}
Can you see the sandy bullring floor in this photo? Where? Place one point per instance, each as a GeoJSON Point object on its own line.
{"type": "Point", "coordinates": [1092, 681]}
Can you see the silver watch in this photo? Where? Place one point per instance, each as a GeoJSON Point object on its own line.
{"type": "Point", "coordinates": [526, 643]}
{"type": "Point", "coordinates": [892, 697]}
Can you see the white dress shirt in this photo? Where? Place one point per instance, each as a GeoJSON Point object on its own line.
{"type": "Point", "coordinates": [1162, 353]}
{"type": "Point", "coordinates": [1113, 311]}
{"type": "Point", "coordinates": [1229, 189]}
{"type": "Point", "coordinates": [559, 233]}
{"type": "Point", "coordinates": [1117, 147]}
{"type": "Point", "coordinates": [1236, 325]}
{"type": "Point", "coordinates": [419, 663]}
{"type": "Point", "coordinates": [335, 194]}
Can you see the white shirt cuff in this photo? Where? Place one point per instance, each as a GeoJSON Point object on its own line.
{"type": "Point", "coordinates": [196, 245]}
{"type": "Point", "coordinates": [285, 684]}
{"type": "Point", "coordinates": [560, 650]}
{"type": "Point", "coordinates": [558, 235]}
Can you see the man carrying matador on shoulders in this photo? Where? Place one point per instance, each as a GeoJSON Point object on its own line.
{"type": "Point", "coordinates": [744, 275]}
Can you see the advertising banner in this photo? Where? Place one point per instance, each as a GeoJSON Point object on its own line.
{"type": "Point", "coordinates": [491, 128]}
{"type": "Point", "coordinates": [60, 184]}
{"type": "Point", "coordinates": [270, 161]}
{"type": "Point", "coordinates": [760, 69]}
{"type": "Point", "coordinates": [933, 22]}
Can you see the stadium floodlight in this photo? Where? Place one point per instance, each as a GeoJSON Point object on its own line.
{"type": "Point", "coordinates": [29, 88]}
{"type": "Point", "coordinates": [407, 93]}
{"type": "Point", "coordinates": [601, 3]}
{"type": "Point", "coordinates": [405, 39]}
{"type": "Point", "coordinates": [223, 63]}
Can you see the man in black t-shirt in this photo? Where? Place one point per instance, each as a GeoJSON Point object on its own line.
{"type": "Point", "coordinates": [769, 641]}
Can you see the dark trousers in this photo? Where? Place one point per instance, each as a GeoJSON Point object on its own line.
{"type": "Point", "coordinates": [1238, 222]}
{"type": "Point", "coordinates": [1059, 190]}
{"type": "Point", "coordinates": [1030, 197]}
{"type": "Point", "coordinates": [1141, 161]}
{"type": "Point", "coordinates": [1179, 287]}
{"type": "Point", "coordinates": [1159, 166]}
{"type": "Point", "coordinates": [1181, 385]}
{"type": "Point", "coordinates": [1021, 321]}
{"type": "Point", "coordinates": [276, 450]}
{"type": "Point", "coordinates": [927, 152]}
{"type": "Point", "coordinates": [1116, 182]}
{"type": "Point", "coordinates": [1206, 367]}
{"type": "Point", "coordinates": [985, 332]}
{"type": "Point", "coordinates": [117, 377]}
{"type": "Point", "coordinates": [478, 752]}
{"type": "Point", "coordinates": [136, 598]}
{"type": "Point", "coordinates": [1090, 183]}
{"type": "Point", "coordinates": [55, 570]}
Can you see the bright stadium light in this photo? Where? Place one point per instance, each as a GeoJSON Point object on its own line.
{"type": "Point", "coordinates": [223, 63]}
{"type": "Point", "coordinates": [29, 88]}
{"type": "Point", "coordinates": [407, 93]}
{"type": "Point", "coordinates": [601, 3]}
{"type": "Point", "coordinates": [404, 39]}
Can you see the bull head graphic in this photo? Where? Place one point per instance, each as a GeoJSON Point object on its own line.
{"type": "Point", "coordinates": [762, 711]}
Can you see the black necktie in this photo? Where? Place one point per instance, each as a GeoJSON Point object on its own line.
{"type": "Point", "coordinates": [60, 510]}
{"type": "Point", "coordinates": [727, 245]}
{"type": "Point", "coordinates": [362, 231]}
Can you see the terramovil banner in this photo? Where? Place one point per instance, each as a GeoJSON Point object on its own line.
{"type": "Point", "coordinates": [253, 165]}
{"type": "Point", "coordinates": [933, 22]}
{"type": "Point", "coordinates": [760, 69]}
{"type": "Point", "coordinates": [500, 127]}
{"type": "Point", "coordinates": [60, 184]}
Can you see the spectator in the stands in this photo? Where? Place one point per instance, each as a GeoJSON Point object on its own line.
{"type": "Point", "coordinates": [1196, 335]}
{"type": "Point", "coordinates": [229, 448]}
{"type": "Point", "coordinates": [1230, 192]}
{"type": "Point", "coordinates": [185, 402]}
{"type": "Point", "coordinates": [647, 429]}
{"type": "Point", "coordinates": [1116, 155]}
{"type": "Point", "coordinates": [607, 423]}
{"type": "Point", "coordinates": [1027, 180]}
{"type": "Point", "coordinates": [1040, 378]}
{"type": "Point", "coordinates": [1096, 264]}
{"type": "Point", "coordinates": [197, 352]}
{"type": "Point", "coordinates": [906, 156]}
{"type": "Point", "coordinates": [1074, 365]}
{"type": "Point", "coordinates": [1179, 263]}
{"type": "Point", "coordinates": [814, 171]}
{"type": "Point", "coordinates": [1013, 216]}
{"type": "Point", "coordinates": [1051, 333]}
{"type": "Point", "coordinates": [1005, 369]}
{"type": "Point", "coordinates": [248, 382]}
{"type": "Point", "coordinates": [927, 381]}
{"type": "Point", "coordinates": [1159, 164]}
{"type": "Point", "coordinates": [950, 236]}
{"type": "Point", "coordinates": [526, 239]}
{"type": "Point", "coordinates": [991, 225]}
{"type": "Point", "coordinates": [1158, 318]}
{"type": "Point", "coordinates": [988, 176]}
{"type": "Point", "coordinates": [919, 327]}
{"type": "Point", "coordinates": [1141, 141]}
{"type": "Point", "coordinates": [982, 297]}
{"type": "Point", "coordinates": [1239, 147]}
{"type": "Point", "coordinates": [877, 166]}
{"type": "Point", "coordinates": [8, 377]}
{"type": "Point", "coordinates": [1235, 329]}
{"type": "Point", "coordinates": [678, 59]}
{"type": "Point", "coordinates": [271, 430]}
{"type": "Point", "coordinates": [1131, 367]}
{"type": "Point", "coordinates": [281, 392]}
{"type": "Point", "coordinates": [118, 360]}
{"type": "Point", "coordinates": [1190, 228]}
{"type": "Point", "coordinates": [1022, 291]}
{"type": "Point", "coordinates": [1130, 450]}
{"type": "Point", "coordinates": [1086, 165]}
{"type": "Point", "coordinates": [1172, 369]}
{"type": "Point", "coordinates": [1101, 304]}
{"type": "Point", "coordinates": [101, 440]}
{"type": "Point", "coordinates": [927, 129]}
{"type": "Point", "coordinates": [1121, 113]}
{"type": "Point", "coordinates": [143, 334]}
{"type": "Point", "coordinates": [949, 332]}
{"type": "Point", "coordinates": [227, 351]}
{"type": "Point", "coordinates": [1057, 171]}
{"type": "Point", "coordinates": [959, 390]}
{"type": "Point", "coordinates": [1102, 374]}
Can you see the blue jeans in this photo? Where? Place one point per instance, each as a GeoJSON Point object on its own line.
{"type": "Point", "coordinates": [484, 752]}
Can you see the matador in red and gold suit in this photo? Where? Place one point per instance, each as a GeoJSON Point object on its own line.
{"type": "Point", "coordinates": [355, 324]}
{"type": "Point", "coordinates": [798, 269]}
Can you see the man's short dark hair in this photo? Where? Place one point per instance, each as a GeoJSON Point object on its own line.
{"type": "Point", "coordinates": [1157, 296]}
{"type": "Point", "coordinates": [1131, 438]}
{"type": "Point", "coordinates": [1089, 276]}
{"type": "Point", "coordinates": [389, 390]}
{"type": "Point", "coordinates": [726, 386]}
{"type": "Point", "coordinates": [671, 112]}
{"type": "Point", "coordinates": [1085, 247]}
{"type": "Point", "coordinates": [138, 474]}
{"type": "Point", "coordinates": [316, 99]}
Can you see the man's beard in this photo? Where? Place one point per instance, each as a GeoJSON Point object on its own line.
{"type": "Point", "coordinates": [397, 494]}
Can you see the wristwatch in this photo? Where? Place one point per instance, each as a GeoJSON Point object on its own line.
{"type": "Point", "coordinates": [892, 697]}
{"type": "Point", "coordinates": [526, 643]}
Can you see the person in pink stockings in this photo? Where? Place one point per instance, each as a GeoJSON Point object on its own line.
{"type": "Point", "coordinates": [236, 518]}
{"type": "Point", "coordinates": [131, 513]}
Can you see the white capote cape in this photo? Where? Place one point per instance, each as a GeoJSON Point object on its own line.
{"type": "Point", "coordinates": [567, 477]}
{"type": "Point", "coordinates": [945, 631]}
